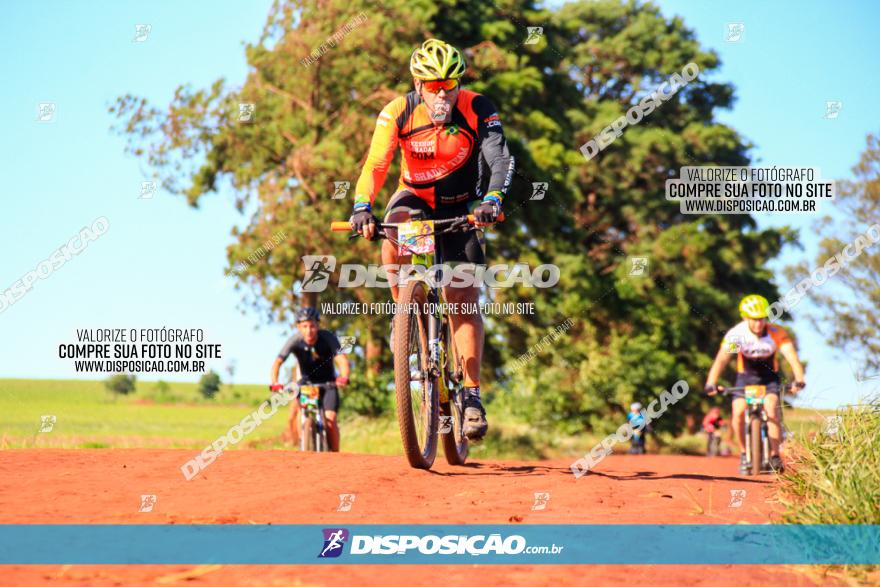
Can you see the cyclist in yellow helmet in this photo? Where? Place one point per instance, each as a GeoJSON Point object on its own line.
{"type": "Point", "coordinates": [755, 343]}
{"type": "Point", "coordinates": [454, 161]}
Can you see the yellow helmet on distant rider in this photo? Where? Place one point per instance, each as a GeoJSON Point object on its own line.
{"type": "Point", "coordinates": [754, 306]}
{"type": "Point", "coordinates": [436, 60]}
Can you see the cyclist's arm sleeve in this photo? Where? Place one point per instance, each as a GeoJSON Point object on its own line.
{"type": "Point", "coordinates": [287, 348]}
{"type": "Point", "coordinates": [731, 338]}
{"type": "Point", "coordinates": [380, 154]}
{"type": "Point", "coordinates": [780, 336]}
{"type": "Point", "coordinates": [493, 146]}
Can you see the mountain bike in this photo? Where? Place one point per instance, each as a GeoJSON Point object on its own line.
{"type": "Point", "coordinates": [312, 429]}
{"type": "Point", "coordinates": [639, 437]}
{"type": "Point", "coordinates": [428, 372]}
{"type": "Point", "coordinates": [713, 443]}
{"type": "Point", "coordinates": [757, 438]}
{"type": "Point", "coordinates": [637, 446]}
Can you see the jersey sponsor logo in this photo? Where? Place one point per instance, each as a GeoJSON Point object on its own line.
{"type": "Point", "coordinates": [422, 150]}
{"type": "Point", "coordinates": [757, 349]}
{"type": "Point", "coordinates": [462, 197]}
{"type": "Point", "coordinates": [444, 169]}
{"type": "Point", "coordinates": [492, 121]}
{"type": "Point", "coordinates": [421, 146]}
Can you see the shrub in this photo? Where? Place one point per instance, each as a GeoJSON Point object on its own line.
{"type": "Point", "coordinates": [209, 384]}
{"type": "Point", "coordinates": [371, 399]}
{"type": "Point", "coordinates": [121, 384]}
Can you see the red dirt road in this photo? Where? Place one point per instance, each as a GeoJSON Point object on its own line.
{"type": "Point", "coordinates": [281, 487]}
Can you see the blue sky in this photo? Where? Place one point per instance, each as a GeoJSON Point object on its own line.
{"type": "Point", "coordinates": [161, 263]}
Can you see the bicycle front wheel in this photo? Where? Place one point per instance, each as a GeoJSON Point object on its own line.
{"type": "Point", "coordinates": [417, 394]}
{"type": "Point", "coordinates": [309, 434]}
{"type": "Point", "coordinates": [756, 444]}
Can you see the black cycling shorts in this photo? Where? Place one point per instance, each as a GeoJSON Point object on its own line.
{"type": "Point", "coordinates": [466, 247]}
{"type": "Point", "coordinates": [772, 383]}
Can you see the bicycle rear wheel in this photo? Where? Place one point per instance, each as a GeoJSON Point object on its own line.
{"type": "Point", "coordinates": [712, 445]}
{"type": "Point", "coordinates": [417, 394]}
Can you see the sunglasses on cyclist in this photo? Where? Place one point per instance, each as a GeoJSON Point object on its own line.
{"type": "Point", "coordinates": [434, 86]}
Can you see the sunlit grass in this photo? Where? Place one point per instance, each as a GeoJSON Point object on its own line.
{"type": "Point", "coordinates": [835, 478]}
{"type": "Point", "coordinates": [88, 416]}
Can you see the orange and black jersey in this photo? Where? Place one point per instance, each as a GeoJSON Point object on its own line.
{"type": "Point", "coordinates": [441, 164]}
{"type": "Point", "coordinates": [756, 360]}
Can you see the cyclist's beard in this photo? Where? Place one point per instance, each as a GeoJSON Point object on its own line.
{"type": "Point", "coordinates": [441, 112]}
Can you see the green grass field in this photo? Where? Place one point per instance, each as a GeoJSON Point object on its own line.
{"type": "Point", "coordinates": [88, 416]}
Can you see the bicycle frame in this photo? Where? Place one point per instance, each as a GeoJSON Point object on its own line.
{"type": "Point", "coordinates": [438, 372]}
{"type": "Point", "coordinates": [755, 409]}
{"type": "Point", "coordinates": [309, 410]}
{"type": "Point", "coordinates": [436, 357]}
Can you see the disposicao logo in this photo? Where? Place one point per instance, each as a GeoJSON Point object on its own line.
{"type": "Point", "coordinates": [334, 540]}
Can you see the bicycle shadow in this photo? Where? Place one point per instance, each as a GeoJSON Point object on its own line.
{"type": "Point", "coordinates": [651, 475]}
{"type": "Point", "coordinates": [497, 469]}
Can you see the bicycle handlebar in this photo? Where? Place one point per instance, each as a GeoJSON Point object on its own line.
{"type": "Point", "coordinates": [740, 391]}
{"type": "Point", "coordinates": [296, 386]}
{"type": "Point", "coordinates": [345, 225]}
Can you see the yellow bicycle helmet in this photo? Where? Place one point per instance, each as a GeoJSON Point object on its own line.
{"type": "Point", "coordinates": [436, 60]}
{"type": "Point", "coordinates": [754, 306]}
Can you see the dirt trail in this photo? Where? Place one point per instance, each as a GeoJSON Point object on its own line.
{"type": "Point", "coordinates": [282, 487]}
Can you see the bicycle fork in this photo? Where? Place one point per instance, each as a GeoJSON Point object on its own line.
{"type": "Point", "coordinates": [434, 349]}
{"type": "Point", "coordinates": [765, 441]}
{"type": "Point", "coordinates": [749, 455]}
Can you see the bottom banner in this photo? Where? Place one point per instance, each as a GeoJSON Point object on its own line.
{"type": "Point", "coordinates": [556, 544]}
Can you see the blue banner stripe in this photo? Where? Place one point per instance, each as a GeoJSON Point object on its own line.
{"type": "Point", "coordinates": [440, 544]}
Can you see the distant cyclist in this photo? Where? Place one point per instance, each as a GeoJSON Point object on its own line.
{"type": "Point", "coordinates": [640, 430]}
{"type": "Point", "coordinates": [316, 352]}
{"type": "Point", "coordinates": [755, 343]}
{"type": "Point", "coordinates": [712, 423]}
{"type": "Point", "coordinates": [454, 161]}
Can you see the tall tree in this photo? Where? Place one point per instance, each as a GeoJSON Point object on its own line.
{"type": "Point", "coordinates": [849, 303]}
{"type": "Point", "coordinates": [555, 87]}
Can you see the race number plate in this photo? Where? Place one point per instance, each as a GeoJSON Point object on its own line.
{"type": "Point", "coordinates": [755, 394]}
{"type": "Point", "coordinates": [309, 394]}
{"type": "Point", "coordinates": [416, 237]}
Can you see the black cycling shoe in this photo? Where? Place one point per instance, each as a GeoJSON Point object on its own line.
{"type": "Point", "coordinates": [475, 424]}
{"type": "Point", "coordinates": [743, 464]}
{"type": "Point", "coordinates": [776, 464]}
